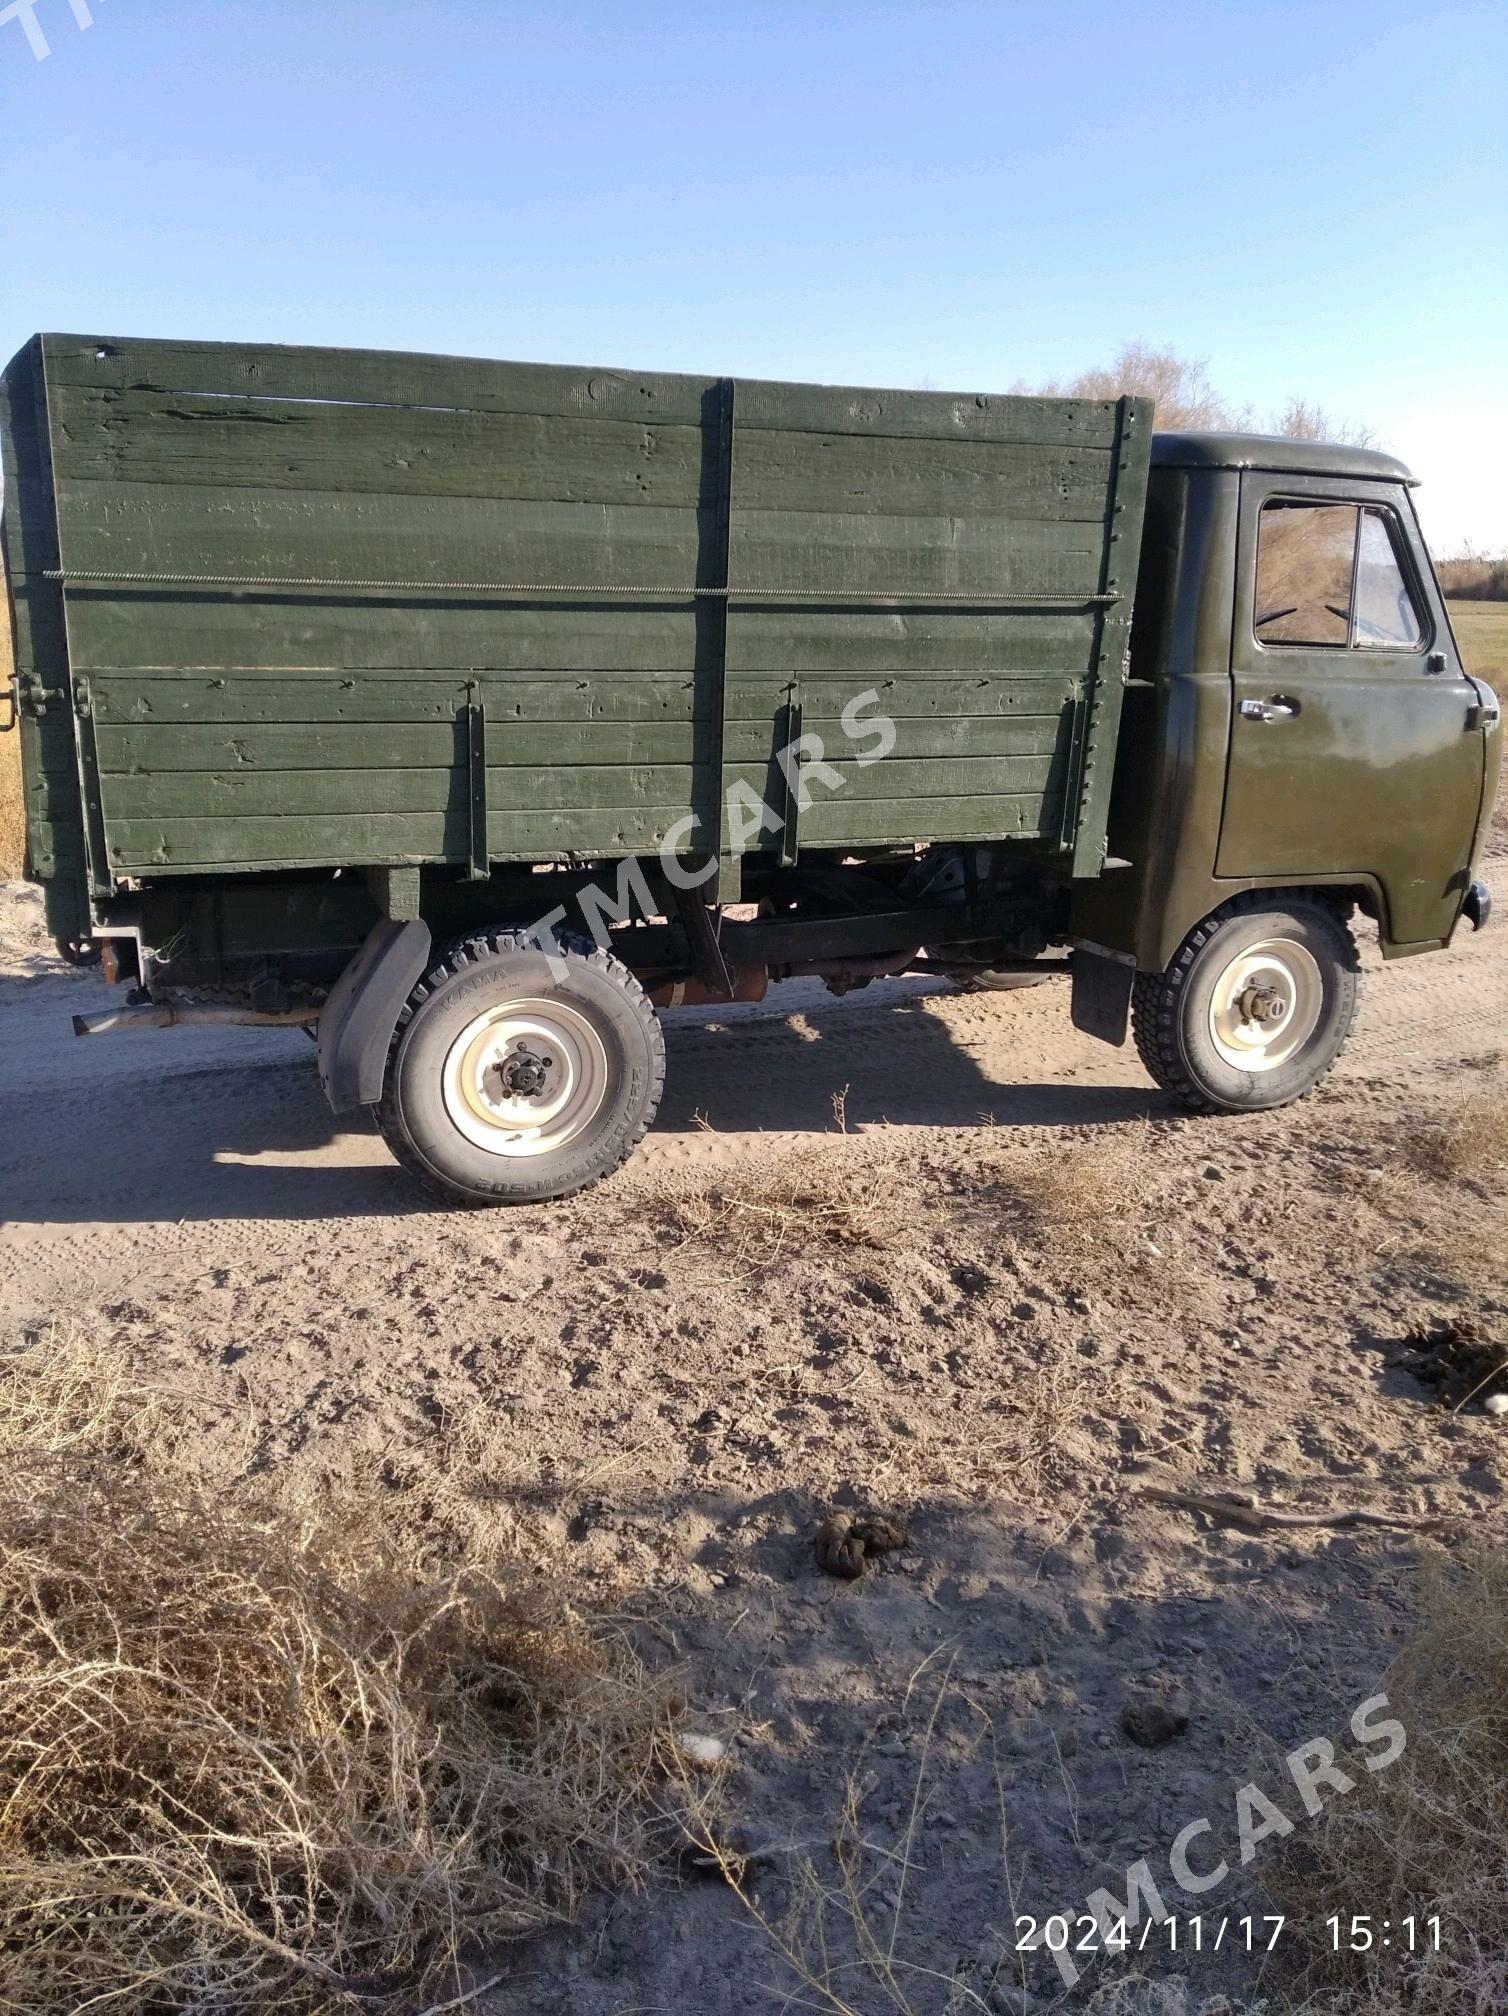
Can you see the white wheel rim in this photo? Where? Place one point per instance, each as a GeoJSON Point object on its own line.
{"type": "Point", "coordinates": [1266, 1005]}
{"type": "Point", "coordinates": [525, 1078]}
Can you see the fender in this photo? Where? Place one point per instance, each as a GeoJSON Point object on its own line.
{"type": "Point", "coordinates": [357, 1021]}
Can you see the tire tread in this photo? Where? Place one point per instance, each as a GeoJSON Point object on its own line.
{"type": "Point", "coordinates": [469, 951]}
{"type": "Point", "coordinates": [1157, 998]}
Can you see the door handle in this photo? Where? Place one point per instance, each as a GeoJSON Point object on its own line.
{"type": "Point", "coordinates": [1269, 710]}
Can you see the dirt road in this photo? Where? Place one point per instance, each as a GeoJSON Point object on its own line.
{"type": "Point", "coordinates": [1087, 1295]}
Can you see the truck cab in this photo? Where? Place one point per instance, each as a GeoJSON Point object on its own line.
{"type": "Point", "coordinates": [1296, 684]}
{"type": "Point", "coordinates": [1301, 739]}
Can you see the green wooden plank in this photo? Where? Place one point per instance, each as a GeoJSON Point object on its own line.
{"type": "Point", "coordinates": [159, 437]}
{"type": "Point", "coordinates": [167, 750]}
{"type": "Point", "coordinates": [146, 846]}
{"type": "Point", "coordinates": [396, 378]}
{"type": "Point", "coordinates": [327, 536]}
{"type": "Point", "coordinates": [53, 814]}
{"type": "Point", "coordinates": [39, 632]}
{"type": "Point", "coordinates": [604, 834]}
{"type": "Point", "coordinates": [393, 839]}
{"type": "Point", "coordinates": [235, 698]}
{"type": "Point", "coordinates": [667, 788]}
{"type": "Point", "coordinates": [853, 822]}
{"type": "Point", "coordinates": [299, 794]}
{"type": "Point", "coordinates": [873, 641]}
{"type": "Point", "coordinates": [30, 541]}
{"type": "Point", "coordinates": [869, 554]}
{"type": "Point", "coordinates": [918, 696]}
{"type": "Point", "coordinates": [239, 696]}
{"type": "Point", "coordinates": [592, 698]}
{"type": "Point", "coordinates": [941, 416]}
{"type": "Point", "coordinates": [924, 780]}
{"type": "Point", "coordinates": [782, 471]}
{"type": "Point", "coordinates": [51, 798]}
{"type": "Point", "coordinates": [950, 735]}
{"type": "Point", "coordinates": [201, 630]}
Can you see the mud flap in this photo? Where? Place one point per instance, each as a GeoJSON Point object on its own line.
{"type": "Point", "coordinates": [357, 1022]}
{"type": "Point", "coordinates": [1102, 994]}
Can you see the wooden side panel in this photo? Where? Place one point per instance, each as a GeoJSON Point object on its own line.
{"type": "Point", "coordinates": [345, 551]}
{"type": "Point", "coordinates": [948, 559]}
{"type": "Point", "coordinates": [55, 841]}
{"type": "Point", "coordinates": [240, 726]}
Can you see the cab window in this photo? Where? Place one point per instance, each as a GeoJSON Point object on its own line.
{"type": "Point", "coordinates": [1329, 576]}
{"type": "Point", "coordinates": [1386, 618]}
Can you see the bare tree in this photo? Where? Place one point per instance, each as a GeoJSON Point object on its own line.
{"type": "Point", "coordinates": [1185, 397]}
{"type": "Point", "coordinates": [1180, 385]}
{"type": "Point", "coordinates": [1303, 420]}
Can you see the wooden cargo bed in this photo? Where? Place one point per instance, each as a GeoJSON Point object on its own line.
{"type": "Point", "coordinates": [330, 608]}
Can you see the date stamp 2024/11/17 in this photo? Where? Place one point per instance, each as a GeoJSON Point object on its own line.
{"type": "Point", "coordinates": [1197, 1933]}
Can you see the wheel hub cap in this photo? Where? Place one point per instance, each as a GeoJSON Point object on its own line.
{"type": "Point", "coordinates": [525, 1078]}
{"type": "Point", "coordinates": [1266, 1005]}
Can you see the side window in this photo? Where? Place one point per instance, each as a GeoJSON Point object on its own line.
{"type": "Point", "coordinates": [1329, 575]}
{"type": "Point", "coordinates": [1306, 554]}
{"type": "Point", "coordinates": [1385, 614]}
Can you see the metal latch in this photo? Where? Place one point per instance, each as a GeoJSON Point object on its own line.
{"type": "Point", "coordinates": [1485, 713]}
{"type": "Point", "coordinates": [35, 697]}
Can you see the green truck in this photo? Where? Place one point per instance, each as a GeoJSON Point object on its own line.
{"type": "Point", "coordinates": [472, 713]}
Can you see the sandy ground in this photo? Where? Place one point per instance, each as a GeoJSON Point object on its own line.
{"type": "Point", "coordinates": [665, 1416]}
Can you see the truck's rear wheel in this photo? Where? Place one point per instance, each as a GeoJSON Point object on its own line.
{"type": "Point", "coordinates": [516, 1076]}
{"type": "Point", "coordinates": [1254, 1008]}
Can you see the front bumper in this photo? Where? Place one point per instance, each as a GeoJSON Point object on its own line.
{"type": "Point", "coordinates": [1478, 905]}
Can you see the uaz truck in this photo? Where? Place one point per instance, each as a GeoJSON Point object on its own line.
{"type": "Point", "coordinates": [471, 713]}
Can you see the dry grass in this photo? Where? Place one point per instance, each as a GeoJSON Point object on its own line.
{"type": "Point", "coordinates": [253, 1755]}
{"type": "Point", "coordinates": [1102, 1189]}
{"type": "Point", "coordinates": [63, 1393]}
{"type": "Point", "coordinates": [1087, 1213]}
{"type": "Point", "coordinates": [1428, 1836]}
{"type": "Point", "coordinates": [840, 1194]}
{"type": "Point", "coordinates": [1469, 1143]}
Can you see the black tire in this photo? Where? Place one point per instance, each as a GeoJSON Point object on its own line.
{"type": "Point", "coordinates": [604, 1026]}
{"type": "Point", "coordinates": [1173, 1014]}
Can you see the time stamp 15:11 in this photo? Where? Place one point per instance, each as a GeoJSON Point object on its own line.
{"type": "Point", "coordinates": [1359, 1933]}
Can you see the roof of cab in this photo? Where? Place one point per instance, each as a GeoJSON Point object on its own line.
{"type": "Point", "coordinates": [1277, 452]}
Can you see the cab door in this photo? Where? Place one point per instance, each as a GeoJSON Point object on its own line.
{"type": "Point", "coordinates": [1356, 741]}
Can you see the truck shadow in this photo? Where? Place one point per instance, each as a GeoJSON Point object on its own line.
{"type": "Point", "coordinates": [199, 1126]}
{"type": "Point", "coordinates": [892, 1054]}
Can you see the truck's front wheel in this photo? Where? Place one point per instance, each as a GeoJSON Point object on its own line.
{"type": "Point", "coordinates": [1253, 1009]}
{"type": "Point", "coordinates": [516, 1076]}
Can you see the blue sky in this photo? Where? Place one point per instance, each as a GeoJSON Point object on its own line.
{"type": "Point", "coordinates": [1311, 197]}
